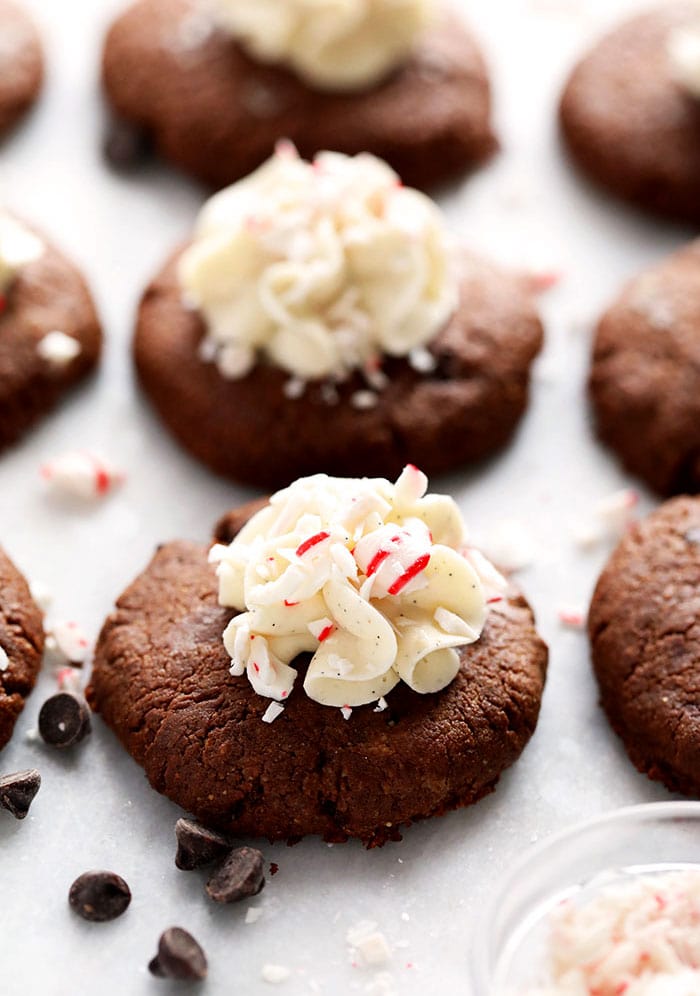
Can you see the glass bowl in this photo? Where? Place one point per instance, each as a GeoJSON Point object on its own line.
{"type": "Point", "coordinates": [509, 943]}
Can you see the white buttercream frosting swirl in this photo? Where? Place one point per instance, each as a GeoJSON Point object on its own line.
{"type": "Point", "coordinates": [684, 53]}
{"type": "Point", "coordinates": [332, 44]}
{"type": "Point", "coordinates": [318, 268]}
{"type": "Point", "coordinates": [371, 578]}
{"type": "Point", "coordinates": [18, 247]}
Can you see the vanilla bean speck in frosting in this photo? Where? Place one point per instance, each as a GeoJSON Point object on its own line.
{"type": "Point", "coordinates": [18, 247]}
{"type": "Point", "coordinates": [373, 579]}
{"type": "Point", "coordinates": [332, 44]}
{"type": "Point", "coordinates": [318, 268]}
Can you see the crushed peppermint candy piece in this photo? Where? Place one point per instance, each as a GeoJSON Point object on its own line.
{"type": "Point", "coordinates": [538, 281]}
{"type": "Point", "coordinates": [275, 973]}
{"type": "Point", "coordinates": [369, 943]}
{"type": "Point", "coordinates": [364, 400]}
{"type": "Point", "coordinates": [572, 617]}
{"type": "Point", "coordinates": [69, 679]}
{"type": "Point", "coordinates": [381, 705]}
{"type": "Point", "coordinates": [67, 643]}
{"type": "Point", "coordinates": [253, 914]}
{"type": "Point", "coordinates": [422, 360]}
{"type": "Point", "coordinates": [294, 388]}
{"type": "Point", "coordinates": [42, 594]}
{"type": "Point", "coordinates": [612, 516]}
{"type": "Point", "coordinates": [81, 474]}
{"type": "Point", "coordinates": [4, 660]}
{"type": "Point", "coordinates": [321, 629]}
{"type": "Point", "coordinates": [346, 711]}
{"type": "Point", "coordinates": [58, 349]}
{"type": "Point", "coordinates": [274, 710]}
{"type": "Point", "coordinates": [509, 545]}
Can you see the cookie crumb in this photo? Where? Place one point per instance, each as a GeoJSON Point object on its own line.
{"type": "Point", "coordinates": [275, 973]}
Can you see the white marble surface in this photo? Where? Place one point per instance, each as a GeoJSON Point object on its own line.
{"type": "Point", "coordinates": [95, 808]}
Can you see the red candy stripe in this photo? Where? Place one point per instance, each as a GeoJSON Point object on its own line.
{"type": "Point", "coordinates": [416, 567]}
{"type": "Point", "coordinates": [374, 564]}
{"type": "Point", "coordinates": [311, 542]}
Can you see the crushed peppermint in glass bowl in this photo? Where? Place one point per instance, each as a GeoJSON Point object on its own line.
{"type": "Point", "coordinates": [610, 907]}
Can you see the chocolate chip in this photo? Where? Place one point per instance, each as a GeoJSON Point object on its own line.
{"type": "Point", "coordinates": [64, 719]}
{"type": "Point", "coordinates": [197, 846]}
{"type": "Point", "coordinates": [99, 896]}
{"type": "Point", "coordinates": [126, 146]}
{"type": "Point", "coordinates": [240, 875]}
{"type": "Point", "coordinates": [179, 957]}
{"type": "Point", "coordinates": [18, 790]}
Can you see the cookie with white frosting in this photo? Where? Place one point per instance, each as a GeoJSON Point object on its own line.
{"type": "Point", "coordinates": [21, 644]}
{"type": "Point", "coordinates": [323, 318]}
{"type": "Point", "coordinates": [214, 86]}
{"type": "Point", "coordinates": [50, 336]}
{"type": "Point", "coordinates": [21, 63]}
{"type": "Point", "coordinates": [342, 666]}
{"type": "Point", "coordinates": [645, 374]}
{"type": "Point", "coordinates": [630, 112]}
{"type": "Point", "coordinates": [643, 628]}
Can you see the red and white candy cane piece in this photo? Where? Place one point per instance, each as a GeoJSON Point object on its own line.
{"type": "Point", "coordinates": [82, 474]}
{"type": "Point", "coordinates": [68, 642]}
{"type": "Point", "coordinates": [321, 629]}
{"type": "Point", "coordinates": [572, 617]}
{"type": "Point", "coordinates": [4, 660]}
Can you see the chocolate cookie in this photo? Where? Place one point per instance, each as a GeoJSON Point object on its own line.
{"type": "Point", "coordinates": [628, 123]}
{"type": "Point", "coordinates": [249, 429]}
{"type": "Point", "coordinates": [216, 113]}
{"type": "Point", "coordinates": [21, 645]}
{"type": "Point", "coordinates": [645, 637]}
{"type": "Point", "coordinates": [21, 63]}
{"type": "Point", "coordinates": [161, 681]}
{"type": "Point", "coordinates": [48, 295]}
{"type": "Point", "coordinates": [645, 374]}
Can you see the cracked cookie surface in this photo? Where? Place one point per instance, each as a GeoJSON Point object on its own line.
{"type": "Point", "coordinates": [461, 412]}
{"type": "Point", "coordinates": [161, 682]}
{"type": "Point", "coordinates": [645, 637]}
{"type": "Point", "coordinates": [22, 643]}
{"type": "Point", "coordinates": [645, 374]}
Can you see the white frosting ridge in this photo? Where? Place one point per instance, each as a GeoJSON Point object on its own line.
{"type": "Point", "coordinates": [332, 44]}
{"type": "Point", "coordinates": [684, 53]}
{"type": "Point", "coordinates": [18, 246]}
{"type": "Point", "coordinates": [318, 268]}
{"type": "Point", "coordinates": [366, 575]}
{"type": "Point", "coordinates": [641, 939]}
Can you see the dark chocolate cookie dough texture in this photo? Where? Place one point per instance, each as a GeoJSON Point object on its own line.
{"type": "Point", "coordinates": [629, 122]}
{"type": "Point", "coordinates": [21, 64]}
{"type": "Point", "coordinates": [50, 336]}
{"type": "Point", "coordinates": [214, 110]}
{"type": "Point", "coordinates": [645, 374]}
{"type": "Point", "coordinates": [21, 645]}
{"type": "Point", "coordinates": [311, 771]}
{"type": "Point", "coordinates": [363, 359]}
{"type": "Point", "coordinates": [645, 638]}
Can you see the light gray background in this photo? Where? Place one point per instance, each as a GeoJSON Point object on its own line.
{"type": "Point", "coordinates": [95, 808]}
